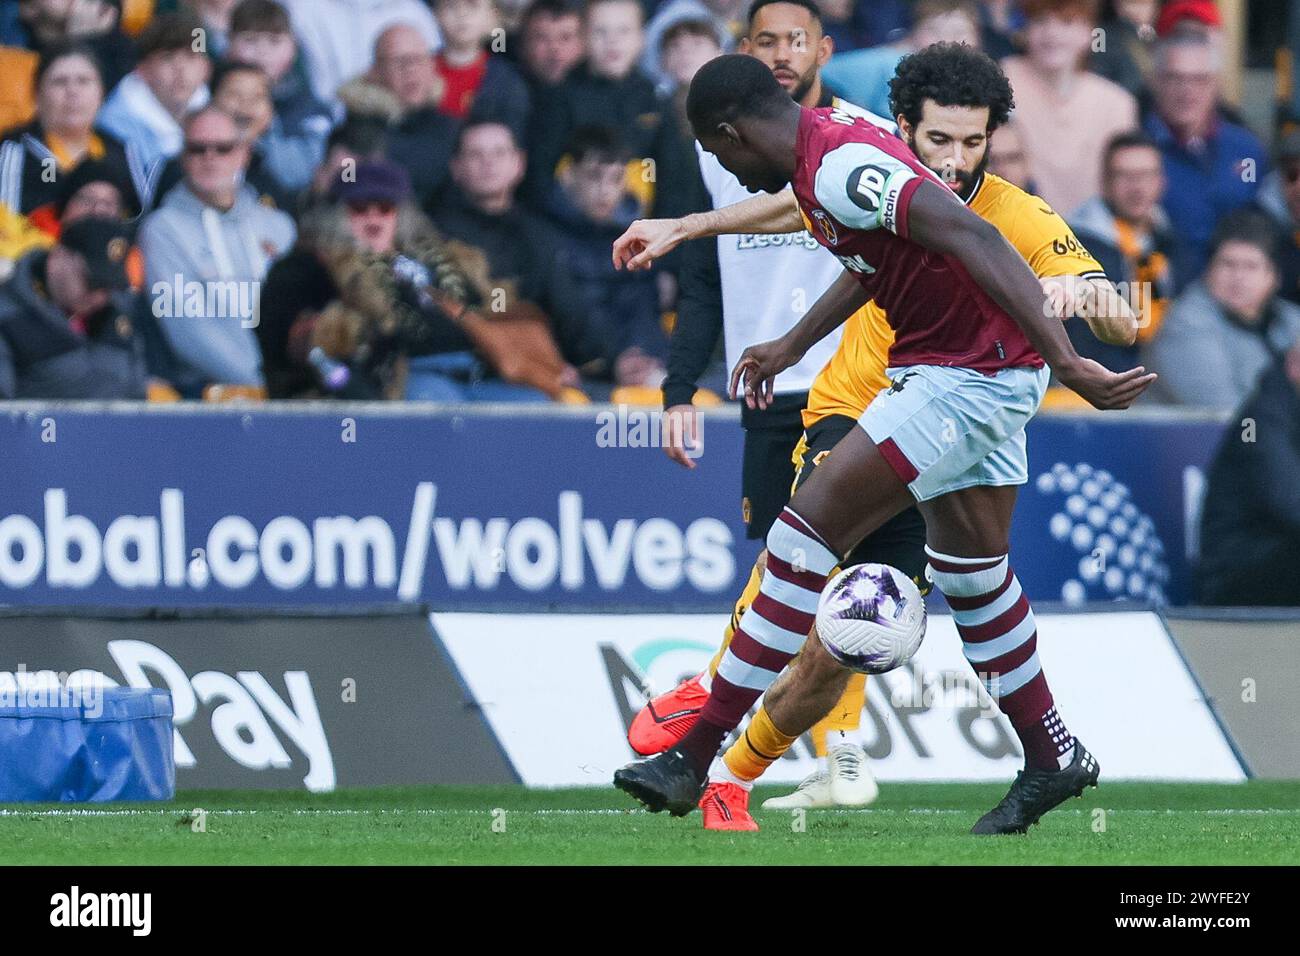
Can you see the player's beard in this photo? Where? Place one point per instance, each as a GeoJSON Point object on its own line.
{"type": "Point", "coordinates": [965, 181]}
{"type": "Point", "coordinates": [804, 85]}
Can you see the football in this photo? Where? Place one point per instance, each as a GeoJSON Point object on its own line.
{"type": "Point", "coordinates": [871, 618]}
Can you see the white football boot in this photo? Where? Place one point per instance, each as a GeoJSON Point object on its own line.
{"type": "Point", "coordinates": [849, 783]}
{"type": "Point", "coordinates": [812, 793]}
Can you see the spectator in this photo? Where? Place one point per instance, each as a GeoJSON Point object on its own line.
{"type": "Point", "coordinates": [859, 24]}
{"type": "Point", "coordinates": [356, 140]}
{"type": "Point", "coordinates": [1250, 526]}
{"type": "Point", "coordinates": [210, 240]}
{"type": "Point", "coordinates": [1128, 233]}
{"type": "Point", "coordinates": [345, 311]}
{"type": "Point", "coordinates": [94, 189]}
{"type": "Point", "coordinates": [1129, 30]}
{"type": "Point", "coordinates": [338, 37]}
{"type": "Point", "coordinates": [551, 42]}
{"type": "Point", "coordinates": [260, 35]}
{"type": "Point", "coordinates": [669, 19]}
{"type": "Point", "coordinates": [1008, 159]}
{"type": "Point", "coordinates": [90, 23]}
{"type": "Point", "coordinates": [685, 47]}
{"type": "Point", "coordinates": [512, 13]}
{"type": "Point", "coordinates": [591, 208]}
{"type": "Point", "coordinates": [475, 82]}
{"type": "Point", "coordinates": [862, 76]}
{"type": "Point", "coordinates": [1225, 329]}
{"type": "Point", "coordinates": [1279, 198]}
{"type": "Point", "coordinates": [146, 108]}
{"type": "Point", "coordinates": [405, 90]}
{"type": "Point", "coordinates": [1200, 16]}
{"type": "Point", "coordinates": [64, 134]}
{"type": "Point", "coordinates": [1066, 114]}
{"type": "Point", "coordinates": [63, 330]}
{"type": "Point", "coordinates": [520, 249]}
{"type": "Point", "coordinates": [1000, 22]}
{"type": "Point", "coordinates": [214, 17]}
{"type": "Point", "coordinates": [608, 89]}
{"type": "Point", "coordinates": [1213, 166]}
{"type": "Point", "coordinates": [243, 92]}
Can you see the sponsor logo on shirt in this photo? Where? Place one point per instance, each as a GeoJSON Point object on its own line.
{"type": "Point", "coordinates": [782, 240]}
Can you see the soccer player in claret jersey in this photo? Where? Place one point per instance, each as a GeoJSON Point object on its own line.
{"type": "Point", "coordinates": [949, 100]}
{"type": "Point", "coordinates": [973, 339]}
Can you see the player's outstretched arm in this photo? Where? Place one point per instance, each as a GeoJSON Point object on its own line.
{"type": "Point", "coordinates": [1095, 301]}
{"type": "Point", "coordinates": [936, 220]}
{"type": "Point", "coordinates": [649, 239]}
{"type": "Point", "coordinates": [760, 364]}
{"type": "Point", "coordinates": [1109, 314]}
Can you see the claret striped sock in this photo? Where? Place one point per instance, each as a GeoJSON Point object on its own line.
{"type": "Point", "coordinates": [1000, 641]}
{"type": "Point", "coordinates": [771, 632]}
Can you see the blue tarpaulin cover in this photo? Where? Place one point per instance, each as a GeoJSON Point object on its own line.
{"type": "Point", "coordinates": [74, 746]}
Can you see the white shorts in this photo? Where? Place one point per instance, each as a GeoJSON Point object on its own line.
{"type": "Point", "coordinates": [943, 428]}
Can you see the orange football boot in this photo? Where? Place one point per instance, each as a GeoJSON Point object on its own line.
{"type": "Point", "coordinates": [665, 719]}
{"type": "Point", "coordinates": [726, 807]}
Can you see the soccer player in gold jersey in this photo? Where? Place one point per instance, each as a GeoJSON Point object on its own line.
{"type": "Point", "coordinates": [948, 124]}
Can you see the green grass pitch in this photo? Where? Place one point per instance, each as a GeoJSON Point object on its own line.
{"type": "Point", "coordinates": [1118, 824]}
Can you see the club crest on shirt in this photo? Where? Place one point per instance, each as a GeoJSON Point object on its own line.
{"type": "Point", "coordinates": [825, 226]}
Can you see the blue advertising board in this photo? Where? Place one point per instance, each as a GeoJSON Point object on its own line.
{"type": "Point", "coordinates": [484, 509]}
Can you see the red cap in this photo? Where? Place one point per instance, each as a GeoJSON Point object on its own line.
{"type": "Point", "coordinates": [1203, 11]}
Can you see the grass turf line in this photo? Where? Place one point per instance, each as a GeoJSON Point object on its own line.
{"type": "Point", "coordinates": [1172, 824]}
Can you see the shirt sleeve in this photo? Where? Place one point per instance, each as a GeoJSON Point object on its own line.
{"type": "Point", "coordinates": [1047, 242]}
{"type": "Point", "coordinates": [865, 188]}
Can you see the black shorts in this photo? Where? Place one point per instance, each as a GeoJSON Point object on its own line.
{"type": "Point", "coordinates": [900, 541]}
{"type": "Point", "coordinates": [767, 471]}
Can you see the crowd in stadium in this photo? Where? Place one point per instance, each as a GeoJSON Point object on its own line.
{"type": "Point", "coordinates": [315, 198]}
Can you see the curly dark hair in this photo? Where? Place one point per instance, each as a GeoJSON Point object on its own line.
{"type": "Point", "coordinates": [951, 74]}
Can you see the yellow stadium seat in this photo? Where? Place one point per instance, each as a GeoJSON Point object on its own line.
{"type": "Point", "coordinates": [636, 395]}
{"type": "Point", "coordinates": [234, 393]}
{"type": "Point", "coordinates": [160, 392]}
{"type": "Point", "coordinates": [572, 396]}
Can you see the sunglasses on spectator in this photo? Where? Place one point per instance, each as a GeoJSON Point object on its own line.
{"type": "Point", "coordinates": [374, 205]}
{"type": "Point", "coordinates": [224, 148]}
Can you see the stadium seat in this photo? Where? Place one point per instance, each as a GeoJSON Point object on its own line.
{"type": "Point", "coordinates": [159, 392]}
{"type": "Point", "coordinates": [572, 396]}
{"type": "Point", "coordinates": [218, 392]}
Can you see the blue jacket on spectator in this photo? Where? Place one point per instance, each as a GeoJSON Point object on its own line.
{"type": "Point", "coordinates": [295, 143]}
{"type": "Point", "coordinates": [1208, 181]}
{"type": "Point", "coordinates": [1250, 526]}
{"type": "Point", "coordinates": [622, 306]}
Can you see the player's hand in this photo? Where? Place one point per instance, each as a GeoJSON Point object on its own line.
{"type": "Point", "coordinates": [1103, 388]}
{"type": "Point", "coordinates": [681, 434]}
{"type": "Point", "coordinates": [757, 370]}
{"type": "Point", "coordinates": [647, 240]}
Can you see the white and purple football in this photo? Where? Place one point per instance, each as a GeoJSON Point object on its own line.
{"type": "Point", "coordinates": [871, 618]}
